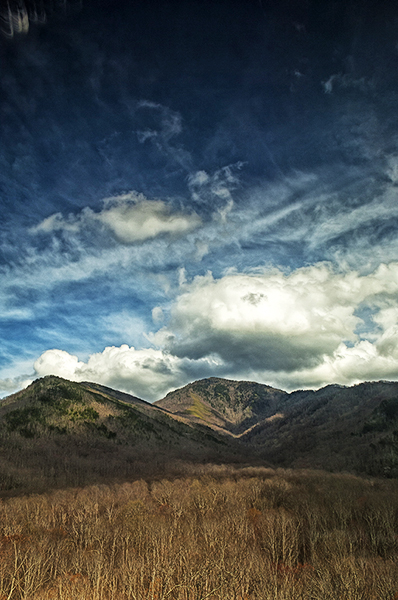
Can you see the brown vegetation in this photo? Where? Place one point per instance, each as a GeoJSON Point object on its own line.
{"type": "Point", "coordinates": [219, 533]}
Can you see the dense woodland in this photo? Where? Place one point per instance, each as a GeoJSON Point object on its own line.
{"type": "Point", "coordinates": [222, 534]}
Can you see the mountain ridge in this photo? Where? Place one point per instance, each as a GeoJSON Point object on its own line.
{"type": "Point", "coordinates": [61, 433]}
{"type": "Point", "coordinates": [353, 428]}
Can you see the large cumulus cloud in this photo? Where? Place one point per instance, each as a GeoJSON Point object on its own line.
{"type": "Point", "coordinates": [272, 320]}
{"type": "Point", "coordinates": [299, 329]}
{"type": "Point", "coordinates": [310, 327]}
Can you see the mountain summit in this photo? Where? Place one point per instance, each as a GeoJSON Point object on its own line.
{"type": "Point", "coordinates": [223, 404]}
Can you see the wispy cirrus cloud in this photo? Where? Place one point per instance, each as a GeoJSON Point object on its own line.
{"type": "Point", "coordinates": [217, 185]}
{"type": "Point", "coordinates": [256, 165]}
{"type": "Point", "coordinates": [165, 125]}
{"type": "Point", "coordinates": [132, 236]}
{"type": "Point", "coordinates": [339, 81]}
{"type": "Point", "coordinates": [298, 328]}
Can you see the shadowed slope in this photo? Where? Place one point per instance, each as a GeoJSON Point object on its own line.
{"type": "Point", "coordinates": [338, 428]}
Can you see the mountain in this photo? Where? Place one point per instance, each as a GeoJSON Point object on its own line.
{"type": "Point", "coordinates": [57, 433]}
{"type": "Point", "coordinates": [336, 428]}
{"type": "Point", "coordinates": [228, 406]}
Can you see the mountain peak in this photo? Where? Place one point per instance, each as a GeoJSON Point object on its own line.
{"type": "Point", "coordinates": [224, 404]}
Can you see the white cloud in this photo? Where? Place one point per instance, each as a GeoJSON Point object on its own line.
{"type": "Point", "coordinates": [328, 227]}
{"type": "Point", "coordinates": [55, 362]}
{"type": "Point", "coordinates": [328, 85]}
{"type": "Point", "coordinates": [347, 81]}
{"type": "Point", "coordinates": [157, 314]}
{"type": "Point", "coordinates": [170, 122]}
{"type": "Point", "coordinates": [135, 219]}
{"type": "Point", "coordinates": [127, 326]}
{"type": "Point", "coordinates": [198, 179]}
{"type": "Point", "coordinates": [202, 248]}
{"type": "Point", "coordinates": [131, 218]}
{"type": "Point", "coordinates": [56, 222]}
{"type": "Point", "coordinates": [182, 276]}
{"type": "Point", "coordinates": [12, 312]}
{"type": "Point", "coordinates": [166, 124]}
{"type": "Point", "coordinates": [392, 168]}
{"type": "Point", "coordinates": [215, 189]}
{"type": "Point", "coordinates": [346, 366]}
{"type": "Point", "coordinates": [16, 374]}
{"type": "Point", "coordinates": [291, 330]}
{"type": "Point", "coordinates": [270, 321]}
{"type": "Point", "coordinates": [49, 269]}
{"type": "Point", "coordinates": [10, 385]}
{"type": "Point", "coordinates": [300, 329]}
{"type": "Point", "coordinates": [146, 373]}
{"type": "Point", "coordinates": [350, 230]}
{"type": "Point", "coordinates": [297, 210]}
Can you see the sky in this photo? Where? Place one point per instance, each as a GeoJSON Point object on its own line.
{"type": "Point", "coordinates": [196, 188]}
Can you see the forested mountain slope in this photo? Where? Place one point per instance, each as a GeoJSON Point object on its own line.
{"type": "Point", "coordinates": [58, 433]}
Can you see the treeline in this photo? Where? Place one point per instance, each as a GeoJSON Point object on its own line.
{"type": "Point", "coordinates": [219, 533]}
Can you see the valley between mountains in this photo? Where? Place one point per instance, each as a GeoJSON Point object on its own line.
{"type": "Point", "coordinates": [58, 433]}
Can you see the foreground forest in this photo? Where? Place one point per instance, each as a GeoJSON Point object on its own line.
{"type": "Point", "coordinates": [219, 533]}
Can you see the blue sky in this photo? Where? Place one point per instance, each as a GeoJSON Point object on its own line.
{"type": "Point", "coordinates": [193, 188]}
